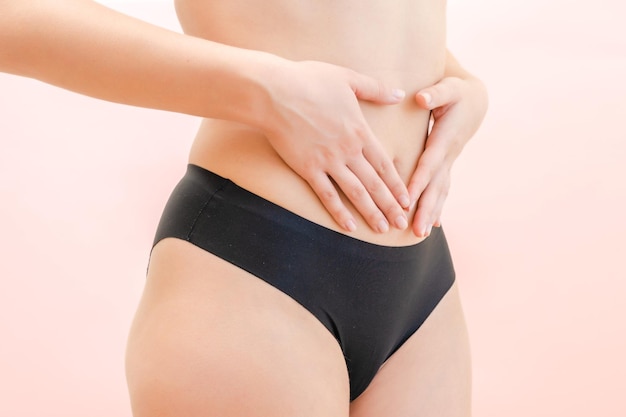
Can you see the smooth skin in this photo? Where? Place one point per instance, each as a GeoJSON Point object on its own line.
{"type": "Point", "coordinates": [458, 103]}
{"type": "Point", "coordinates": [121, 59]}
{"type": "Point", "coordinates": [212, 340]}
{"type": "Point", "coordinates": [208, 338]}
{"type": "Point", "coordinates": [39, 39]}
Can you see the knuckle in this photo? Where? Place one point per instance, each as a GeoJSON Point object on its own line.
{"type": "Point", "coordinates": [323, 188]}
{"type": "Point", "coordinates": [382, 167]}
{"type": "Point", "coordinates": [437, 90]}
{"type": "Point", "coordinates": [338, 213]}
{"type": "Point", "coordinates": [357, 193]}
{"type": "Point", "coordinates": [375, 187]}
{"type": "Point", "coordinates": [311, 165]}
{"type": "Point", "coordinates": [446, 87]}
{"type": "Point", "coordinates": [379, 89]}
{"type": "Point", "coordinates": [391, 211]}
{"type": "Point", "coordinates": [327, 196]}
{"type": "Point", "coordinates": [326, 157]}
{"type": "Point", "coordinates": [360, 131]}
{"type": "Point", "coordinates": [398, 188]}
{"type": "Point", "coordinates": [374, 217]}
{"type": "Point", "coordinates": [351, 150]}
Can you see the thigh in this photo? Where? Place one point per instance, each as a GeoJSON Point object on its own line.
{"type": "Point", "coordinates": [209, 339]}
{"type": "Point", "coordinates": [430, 375]}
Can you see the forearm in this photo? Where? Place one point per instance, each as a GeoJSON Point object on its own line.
{"type": "Point", "coordinates": [308, 110]}
{"type": "Point", "coordinates": [85, 47]}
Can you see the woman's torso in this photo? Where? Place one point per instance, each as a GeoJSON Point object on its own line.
{"type": "Point", "coordinates": [400, 42]}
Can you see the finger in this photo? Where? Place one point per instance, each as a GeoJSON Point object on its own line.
{"type": "Point", "coordinates": [436, 214]}
{"type": "Point", "coordinates": [328, 195]}
{"type": "Point", "coordinates": [378, 159]}
{"type": "Point", "coordinates": [359, 196]}
{"type": "Point", "coordinates": [428, 163]}
{"type": "Point", "coordinates": [379, 192]}
{"type": "Point", "coordinates": [431, 204]}
{"type": "Point", "coordinates": [423, 219]}
{"type": "Point", "coordinates": [369, 89]}
{"type": "Point", "coordinates": [445, 92]}
{"type": "Point", "coordinates": [446, 140]}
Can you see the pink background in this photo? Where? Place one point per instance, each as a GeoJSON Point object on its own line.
{"type": "Point", "coordinates": [535, 220]}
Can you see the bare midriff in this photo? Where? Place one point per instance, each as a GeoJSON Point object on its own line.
{"type": "Point", "coordinates": [400, 42]}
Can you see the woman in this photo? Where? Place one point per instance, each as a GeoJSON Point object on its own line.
{"type": "Point", "coordinates": [295, 270]}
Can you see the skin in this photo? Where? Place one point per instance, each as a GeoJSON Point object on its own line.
{"type": "Point", "coordinates": [458, 103]}
{"type": "Point", "coordinates": [38, 39]}
{"type": "Point", "coordinates": [302, 108]}
{"type": "Point", "coordinates": [397, 132]}
{"type": "Point", "coordinates": [210, 339]}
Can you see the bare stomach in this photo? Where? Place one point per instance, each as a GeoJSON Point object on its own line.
{"type": "Point", "coordinates": [244, 155]}
{"type": "Point", "coordinates": [393, 51]}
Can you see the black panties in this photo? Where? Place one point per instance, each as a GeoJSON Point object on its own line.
{"type": "Point", "coordinates": [372, 298]}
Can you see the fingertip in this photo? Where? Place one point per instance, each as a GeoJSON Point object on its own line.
{"type": "Point", "coordinates": [425, 99]}
{"type": "Point", "coordinates": [413, 197]}
{"type": "Point", "coordinates": [382, 226]}
{"type": "Point", "coordinates": [422, 230]}
{"type": "Point", "coordinates": [398, 94]}
{"type": "Point", "coordinates": [417, 230]}
{"type": "Point", "coordinates": [401, 222]}
{"type": "Point", "coordinates": [405, 201]}
{"type": "Point", "coordinates": [350, 225]}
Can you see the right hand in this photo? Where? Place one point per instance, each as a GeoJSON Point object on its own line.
{"type": "Point", "coordinates": [316, 126]}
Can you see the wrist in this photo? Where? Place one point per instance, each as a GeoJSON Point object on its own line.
{"type": "Point", "coordinates": [253, 77]}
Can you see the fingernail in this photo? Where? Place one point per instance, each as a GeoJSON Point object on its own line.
{"type": "Point", "coordinates": [428, 230]}
{"type": "Point", "coordinates": [398, 93]}
{"type": "Point", "coordinates": [427, 98]}
{"type": "Point", "coordinates": [401, 222]}
{"type": "Point", "coordinates": [383, 226]}
{"type": "Point", "coordinates": [350, 225]}
{"type": "Point", "coordinates": [404, 201]}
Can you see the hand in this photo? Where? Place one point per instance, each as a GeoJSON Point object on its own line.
{"type": "Point", "coordinates": [458, 107]}
{"type": "Point", "coordinates": [318, 129]}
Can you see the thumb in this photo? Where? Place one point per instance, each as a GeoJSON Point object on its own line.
{"type": "Point", "coordinates": [369, 89]}
{"type": "Point", "coordinates": [445, 92]}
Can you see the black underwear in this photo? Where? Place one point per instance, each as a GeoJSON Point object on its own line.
{"type": "Point", "coordinates": [372, 298]}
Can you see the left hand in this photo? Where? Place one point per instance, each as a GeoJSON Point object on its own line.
{"type": "Point", "coordinates": [458, 107]}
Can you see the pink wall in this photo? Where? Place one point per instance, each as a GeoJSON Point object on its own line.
{"type": "Point", "coordinates": [535, 220]}
{"type": "Point", "coordinates": [536, 215]}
